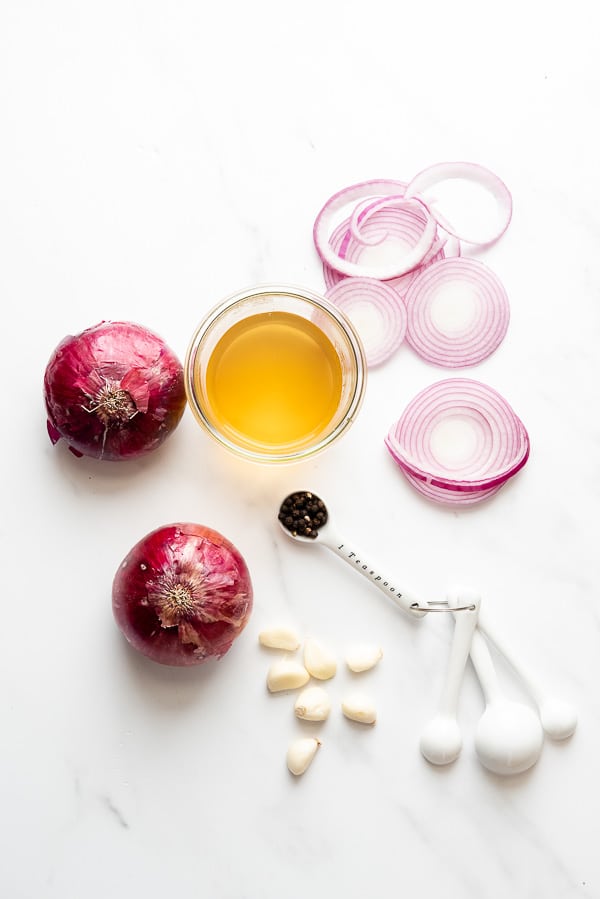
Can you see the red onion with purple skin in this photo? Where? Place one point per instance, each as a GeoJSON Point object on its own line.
{"type": "Point", "coordinates": [182, 595]}
{"type": "Point", "coordinates": [115, 391]}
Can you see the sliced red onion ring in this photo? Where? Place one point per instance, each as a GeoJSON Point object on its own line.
{"type": "Point", "coordinates": [388, 232]}
{"type": "Point", "coordinates": [355, 220]}
{"type": "Point", "coordinates": [455, 498]}
{"type": "Point", "coordinates": [460, 435]}
{"type": "Point", "coordinates": [377, 313]}
{"type": "Point", "coordinates": [364, 212]}
{"type": "Point", "coordinates": [458, 312]}
{"type": "Point", "coordinates": [410, 257]}
{"type": "Point", "coordinates": [430, 180]}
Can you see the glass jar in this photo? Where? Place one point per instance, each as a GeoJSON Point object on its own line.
{"type": "Point", "coordinates": [275, 373]}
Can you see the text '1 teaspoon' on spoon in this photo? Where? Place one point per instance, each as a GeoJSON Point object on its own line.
{"type": "Point", "coordinates": [305, 518]}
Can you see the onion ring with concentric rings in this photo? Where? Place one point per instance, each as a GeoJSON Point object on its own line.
{"type": "Point", "coordinates": [377, 313]}
{"type": "Point", "coordinates": [459, 434]}
{"type": "Point", "coordinates": [458, 312]}
{"type": "Point", "coordinates": [412, 256]}
{"type": "Point", "coordinates": [400, 226]}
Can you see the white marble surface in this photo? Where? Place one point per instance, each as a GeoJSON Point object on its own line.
{"type": "Point", "coordinates": [155, 158]}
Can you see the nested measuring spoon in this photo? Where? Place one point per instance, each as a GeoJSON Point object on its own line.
{"type": "Point", "coordinates": [304, 517]}
{"type": "Point", "coordinates": [558, 717]}
{"type": "Point", "coordinates": [441, 741]}
{"type": "Point", "coordinates": [509, 736]}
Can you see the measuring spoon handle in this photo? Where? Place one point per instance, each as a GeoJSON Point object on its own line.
{"type": "Point", "coordinates": [484, 667]}
{"type": "Point", "coordinates": [559, 717]}
{"type": "Point", "coordinates": [465, 622]}
{"type": "Point", "coordinates": [374, 574]}
{"type": "Point", "coordinates": [529, 679]}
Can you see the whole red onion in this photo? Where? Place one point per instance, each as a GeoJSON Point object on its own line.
{"type": "Point", "coordinates": [182, 595]}
{"type": "Point", "coordinates": [115, 391]}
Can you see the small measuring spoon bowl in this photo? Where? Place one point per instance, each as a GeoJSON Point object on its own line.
{"type": "Point", "coordinates": [441, 740]}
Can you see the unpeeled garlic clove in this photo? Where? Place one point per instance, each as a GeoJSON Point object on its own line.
{"type": "Point", "coordinates": [359, 707]}
{"type": "Point", "coordinates": [286, 674]}
{"type": "Point", "coordinates": [313, 704]}
{"type": "Point", "coordinates": [300, 754]}
{"type": "Point", "coordinates": [319, 661]}
{"type": "Point", "coordinates": [280, 637]}
{"type": "Point", "coordinates": [363, 656]}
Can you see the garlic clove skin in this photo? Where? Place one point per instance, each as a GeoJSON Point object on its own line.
{"type": "Point", "coordinates": [363, 656]}
{"type": "Point", "coordinates": [319, 661]}
{"type": "Point", "coordinates": [300, 754]}
{"type": "Point", "coordinates": [279, 638]}
{"type": "Point", "coordinates": [313, 704]}
{"type": "Point", "coordinates": [286, 674]}
{"type": "Point", "coordinates": [359, 707]}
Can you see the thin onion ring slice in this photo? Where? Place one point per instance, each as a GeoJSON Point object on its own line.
{"type": "Point", "coordinates": [456, 498]}
{"type": "Point", "coordinates": [425, 181]}
{"type": "Point", "coordinates": [389, 227]}
{"type": "Point", "coordinates": [377, 313]}
{"type": "Point", "coordinates": [325, 220]}
{"type": "Point", "coordinates": [459, 434]}
{"type": "Point", "coordinates": [458, 312]}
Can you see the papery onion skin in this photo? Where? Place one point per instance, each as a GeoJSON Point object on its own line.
{"type": "Point", "coordinates": [182, 595]}
{"type": "Point", "coordinates": [113, 392]}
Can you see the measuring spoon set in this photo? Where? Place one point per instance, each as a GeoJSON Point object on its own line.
{"type": "Point", "coordinates": [509, 735]}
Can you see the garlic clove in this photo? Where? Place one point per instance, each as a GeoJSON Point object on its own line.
{"type": "Point", "coordinates": [363, 656]}
{"type": "Point", "coordinates": [300, 754]}
{"type": "Point", "coordinates": [279, 637]}
{"type": "Point", "coordinates": [313, 704]}
{"type": "Point", "coordinates": [286, 674]}
{"type": "Point", "coordinates": [359, 707]}
{"type": "Point", "coordinates": [319, 661]}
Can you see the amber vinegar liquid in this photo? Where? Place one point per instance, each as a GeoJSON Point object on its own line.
{"type": "Point", "coordinates": [273, 381]}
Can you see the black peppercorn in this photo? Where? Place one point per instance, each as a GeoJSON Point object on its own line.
{"type": "Point", "coordinates": [302, 514]}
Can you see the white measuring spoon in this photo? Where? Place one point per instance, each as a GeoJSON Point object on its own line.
{"type": "Point", "coordinates": [327, 536]}
{"type": "Point", "coordinates": [441, 741]}
{"type": "Point", "coordinates": [558, 717]}
{"type": "Point", "coordinates": [509, 736]}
